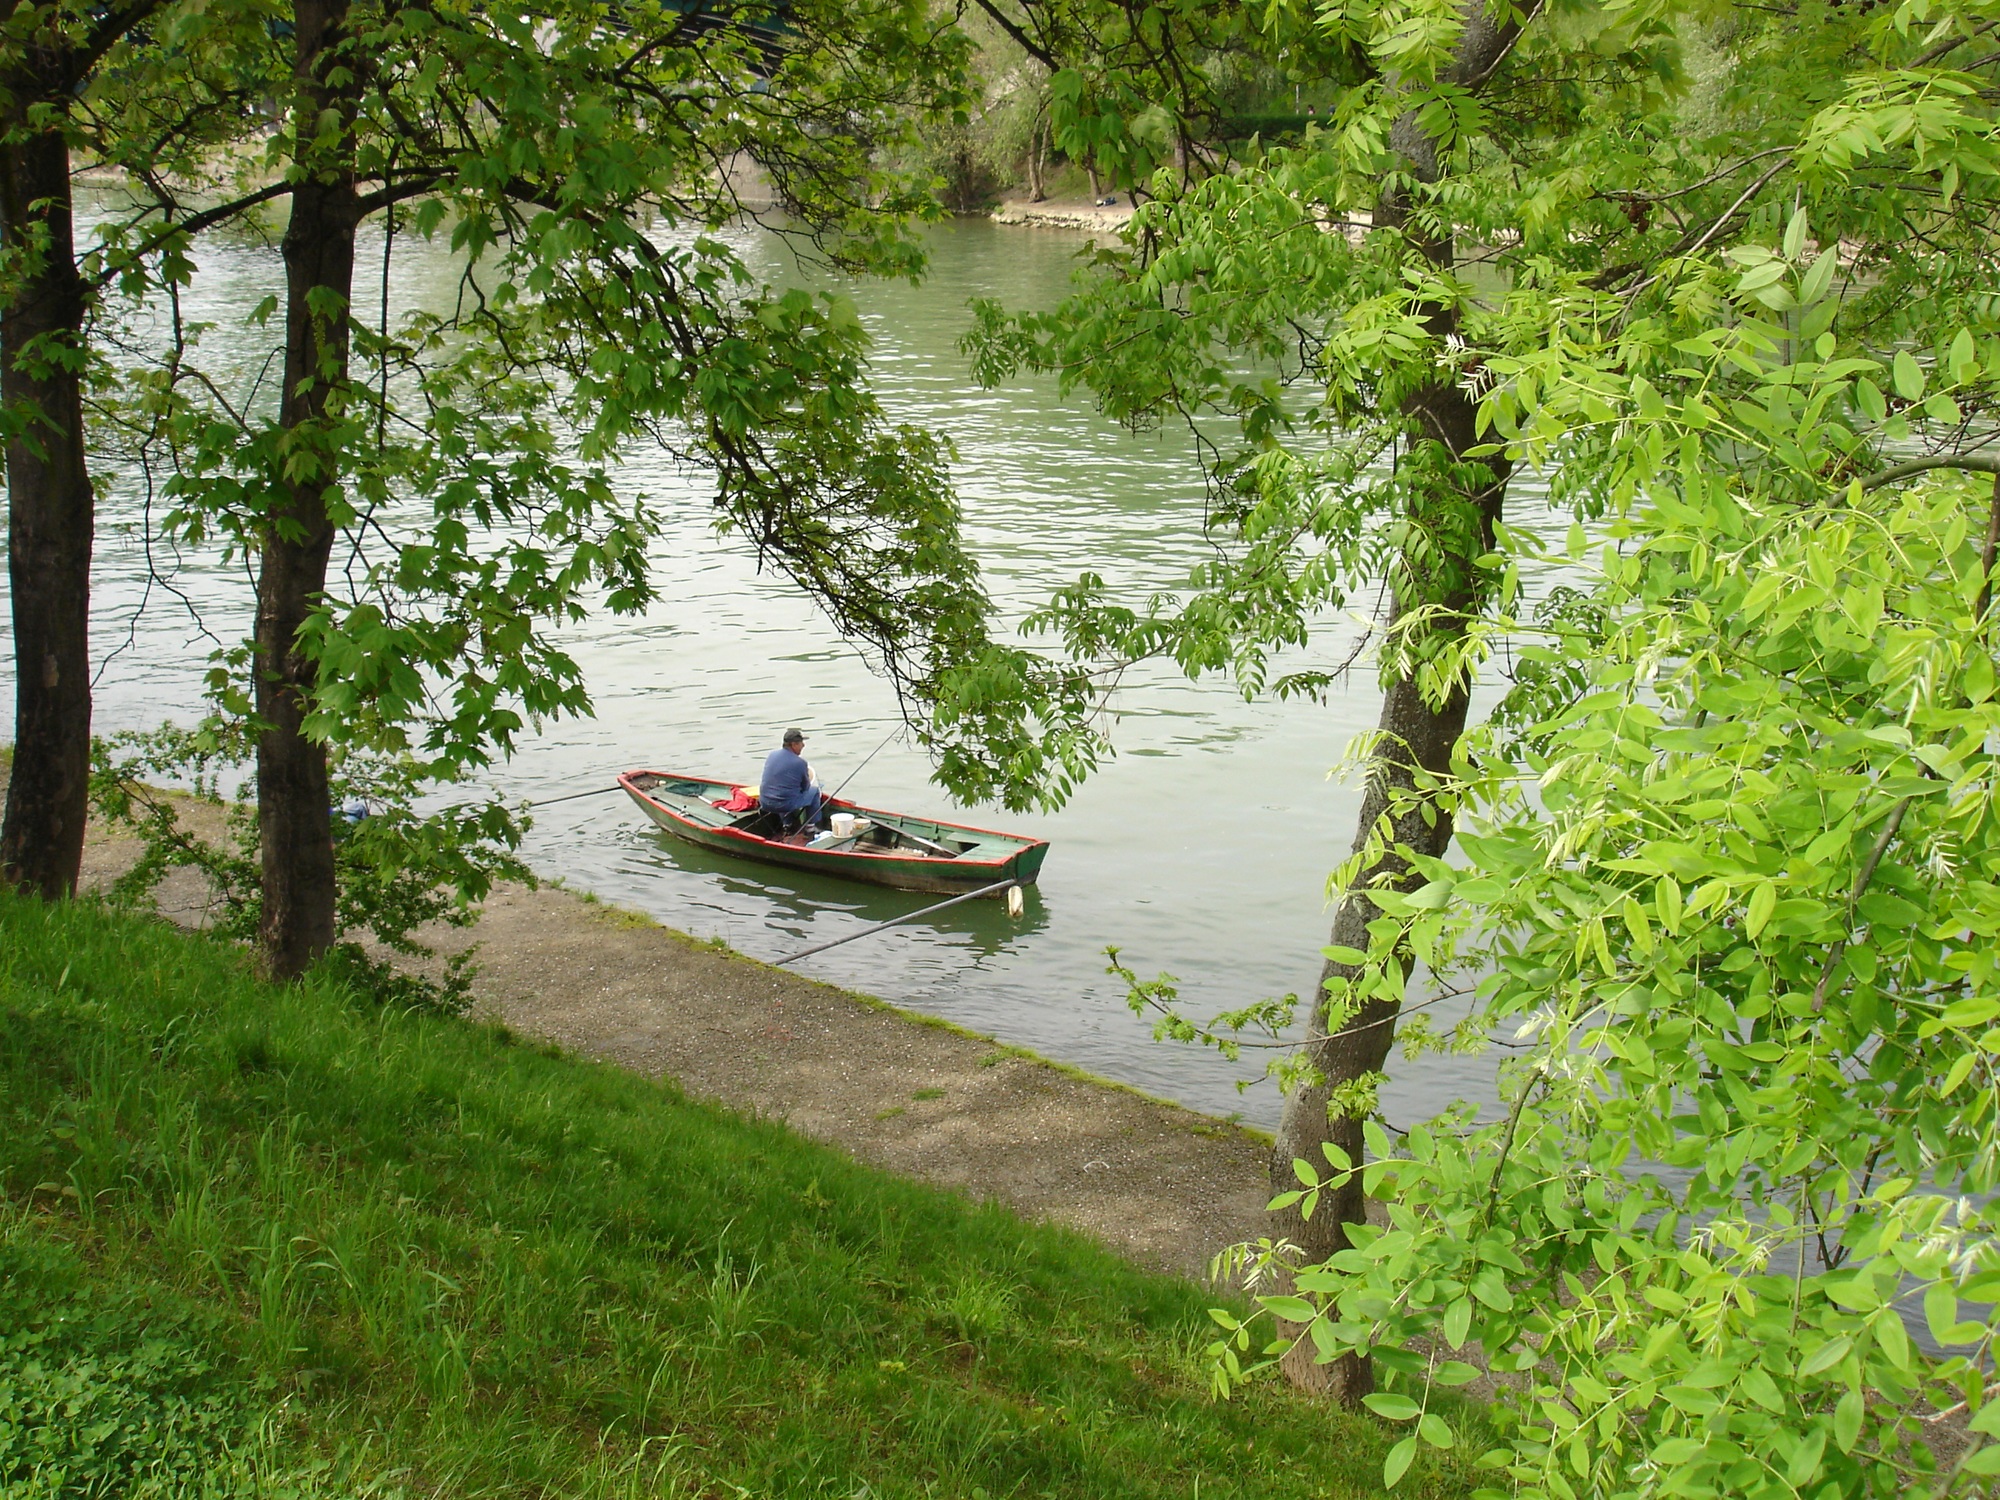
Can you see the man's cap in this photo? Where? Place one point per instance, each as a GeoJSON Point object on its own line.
{"type": "Point", "coordinates": [795, 737]}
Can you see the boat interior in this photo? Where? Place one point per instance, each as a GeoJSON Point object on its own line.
{"type": "Point", "coordinates": [703, 802]}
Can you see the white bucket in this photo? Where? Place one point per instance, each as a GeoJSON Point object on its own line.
{"type": "Point", "coordinates": [843, 825]}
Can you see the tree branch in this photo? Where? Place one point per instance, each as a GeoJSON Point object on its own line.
{"type": "Point", "coordinates": [1041, 54]}
{"type": "Point", "coordinates": [1987, 557]}
{"type": "Point", "coordinates": [193, 224]}
{"type": "Point", "coordinates": [1624, 195]}
{"type": "Point", "coordinates": [1952, 44]}
{"type": "Point", "coordinates": [389, 194]}
{"type": "Point", "coordinates": [1685, 247]}
{"type": "Point", "coordinates": [105, 35]}
{"type": "Point", "coordinates": [1881, 846]}
{"type": "Point", "coordinates": [1972, 463]}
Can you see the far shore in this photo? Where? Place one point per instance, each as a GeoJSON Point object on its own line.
{"type": "Point", "coordinates": [1066, 213]}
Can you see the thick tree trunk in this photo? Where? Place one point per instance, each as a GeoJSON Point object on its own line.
{"type": "Point", "coordinates": [1458, 515]}
{"type": "Point", "coordinates": [50, 511]}
{"type": "Point", "coordinates": [294, 816]}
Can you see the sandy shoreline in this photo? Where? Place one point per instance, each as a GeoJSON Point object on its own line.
{"type": "Point", "coordinates": [1066, 213]}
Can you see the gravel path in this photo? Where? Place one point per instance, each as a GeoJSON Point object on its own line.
{"type": "Point", "coordinates": [1161, 1184]}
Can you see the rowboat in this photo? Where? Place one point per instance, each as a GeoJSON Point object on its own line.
{"type": "Point", "coordinates": [885, 848]}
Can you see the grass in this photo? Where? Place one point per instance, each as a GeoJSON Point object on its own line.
{"type": "Point", "coordinates": [282, 1242]}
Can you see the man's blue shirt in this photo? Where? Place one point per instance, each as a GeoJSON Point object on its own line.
{"type": "Point", "coordinates": [787, 783]}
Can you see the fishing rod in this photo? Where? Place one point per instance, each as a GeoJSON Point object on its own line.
{"type": "Point", "coordinates": [593, 792]}
{"type": "Point", "coordinates": [601, 791]}
{"type": "Point", "coordinates": [864, 764]}
{"type": "Point", "coordinates": [1014, 908]}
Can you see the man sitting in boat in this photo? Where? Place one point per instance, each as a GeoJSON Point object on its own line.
{"type": "Point", "coordinates": [788, 790]}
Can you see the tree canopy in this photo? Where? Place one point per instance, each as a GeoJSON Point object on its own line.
{"type": "Point", "coordinates": [1722, 275]}
{"type": "Point", "coordinates": [461, 461]}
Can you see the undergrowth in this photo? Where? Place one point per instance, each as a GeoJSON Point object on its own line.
{"type": "Point", "coordinates": [295, 1242]}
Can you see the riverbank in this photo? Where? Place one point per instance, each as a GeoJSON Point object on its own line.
{"type": "Point", "coordinates": [264, 1240]}
{"type": "Point", "coordinates": [1066, 213]}
{"type": "Point", "coordinates": [1162, 1185]}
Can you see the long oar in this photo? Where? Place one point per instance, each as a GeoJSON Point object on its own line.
{"type": "Point", "coordinates": [593, 792]}
{"type": "Point", "coordinates": [910, 916]}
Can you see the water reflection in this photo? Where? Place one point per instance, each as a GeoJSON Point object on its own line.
{"type": "Point", "coordinates": [796, 903]}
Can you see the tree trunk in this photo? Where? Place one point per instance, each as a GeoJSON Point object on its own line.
{"type": "Point", "coordinates": [1417, 736]}
{"type": "Point", "coordinates": [50, 508]}
{"type": "Point", "coordinates": [294, 815]}
{"type": "Point", "coordinates": [1035, 193]}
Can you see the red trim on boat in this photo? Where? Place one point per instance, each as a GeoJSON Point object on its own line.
{"type": "Point", "coordinates": [625, 779]}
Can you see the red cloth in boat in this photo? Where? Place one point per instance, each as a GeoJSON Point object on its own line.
{"type": "Point", "coordinates": [740, 800]}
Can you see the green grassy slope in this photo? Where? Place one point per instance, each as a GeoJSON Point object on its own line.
{"type": "Point", "coordinates": [272, 1241]}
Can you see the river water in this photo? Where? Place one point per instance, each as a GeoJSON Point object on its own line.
{"type": "Point", "coordinates": [1201, 851]}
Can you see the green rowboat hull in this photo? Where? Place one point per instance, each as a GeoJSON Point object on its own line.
{"type": "Point", "coordinates": [905, 853]}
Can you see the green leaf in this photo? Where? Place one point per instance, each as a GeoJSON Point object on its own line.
{"type": "Point", "coordinates": [1847, 1417]}
{"type": "Point", "coordinates": [1667, 902]}
{"type": "Point", "coordinates": [1434, 896]}
{"type": "Point", "coordinates": [1892, 1338]}
{"type": "Point", "coordinates": [1962, 359]}
{"type": "Point", "coordinates": [1940, 1310]}
{"type": "Point", "coordinates": [1489, 1288]}
{"type": "Point", "coordinates": [1435, 1430]}
{"type": "Point", "coordinates": [1984, 1461]}
{"type": "Point", "coordinates": [1763, 901]}
{"type": "Point", "coordinates": [1960, 1071]}
{"type": "Point", "coordinates": [1458, 1321]}
{"type": "Point", "coordinates": [1674, 1452]}
{"type": "Point", "coordinates": [1795, 235]}
{"type": "Point", "coordinates": [1759, 277]}
{"type": "Point", "coordinates": [1909, 378]}
{"type": "Point", "coordinates": [1975, 1011]}
{"type": "Point", "coordinates": [1826, 1355]}
{"type": "Point", "coordinates": [1763, 593]}
{"type": "Point", "coordinates": [1291, 1309]}
{"type": "Point", "coordinates": [1391, 1406]}
{"type": "Point", "coordinates": [1398, 1462]}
